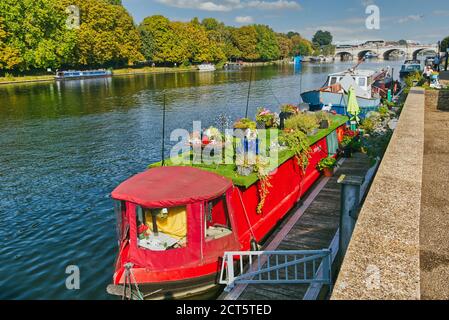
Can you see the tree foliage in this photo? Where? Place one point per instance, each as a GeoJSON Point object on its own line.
{"type": "Point", "coordinates": [267, 45]}
{"type": "Point", "coordinates": [445, 44]}
{"type": "Point", "coordinates": [301, 46]}
{"type": "Point", "coordinates": [107, 35]}
{"type": "Point", "coordinates": [322, 38]}
{"type": "Point", "coordinates": [34, 35]}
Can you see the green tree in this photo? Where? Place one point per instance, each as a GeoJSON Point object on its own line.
{"type": "Point", "coordinates": [301, 46]}
{"type": "Point", "coordinates": [445, 44]}
{"type": "Point", "coordinates": [328, 50]}
{"type": "Point", "coordinates": [402, 42]}
{"type": "Point", "coordinates": [34, 35]}
{"type": "Point", "coordinates": [212, 24]}
{"type": "Point", "coordinates": [107, 35]}
{"type": "Point", "coordinates": [148, 44]}
{"type": "Point", "coordinates": [245, 39]}
{"type": "Point", "coordinates": [291, 34]}
{"type": "Point", "coordinates": [322, 38]}
{"type": "Point", "coordinates": [267, 45]}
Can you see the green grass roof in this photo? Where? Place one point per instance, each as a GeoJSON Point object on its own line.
{"type": "Point", "coordinates": [228, 170]}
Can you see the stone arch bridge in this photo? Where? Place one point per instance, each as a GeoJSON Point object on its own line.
{"type": "Point", "coordinates": [384, 52]}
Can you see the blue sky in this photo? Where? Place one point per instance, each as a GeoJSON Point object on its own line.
{"type": "Point", "coordinates": [424, 21]}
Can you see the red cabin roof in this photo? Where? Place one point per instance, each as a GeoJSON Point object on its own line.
{"type": "Point", "coordinates": [171, 186]}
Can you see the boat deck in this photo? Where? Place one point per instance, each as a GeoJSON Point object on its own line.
{"type": "Point", "coordinates": [318, 223]}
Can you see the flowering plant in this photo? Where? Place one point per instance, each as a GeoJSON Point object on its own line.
{"type": "Point", "coordinates": [213, 134]}
{"type": "Point", "coordinates": [266, 117]}
{"type": "Point", "coordinates": [289, 108]}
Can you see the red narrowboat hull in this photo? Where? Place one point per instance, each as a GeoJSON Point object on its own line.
{"type": "Point", "coordinates": [190, 272]}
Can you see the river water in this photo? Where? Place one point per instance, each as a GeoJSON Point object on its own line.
{"type": "Point", "coordinates": [66, 146]}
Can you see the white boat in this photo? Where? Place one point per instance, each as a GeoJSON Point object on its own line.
{"type": "Point", "coordinates": [369, 87]}
{"type": "Point", "coordinates": [206, 67]}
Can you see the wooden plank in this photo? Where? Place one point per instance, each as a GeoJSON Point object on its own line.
{"type": "Point", "coordinates": [312, 227]}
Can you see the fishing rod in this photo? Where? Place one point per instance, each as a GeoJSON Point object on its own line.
{"type": "Point", "coordinates": [163, 130]}
{"type": "Point", "coordinates": [249, 91]}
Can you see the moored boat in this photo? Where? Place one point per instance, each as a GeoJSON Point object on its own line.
{"type": "Point", "coordinates": [409, 67]}
{"type": "Point", "coordinates": [206, 67]}
{"type": "Point", "coordinates": [77, 75]}
{"type": "Point", "coordinates": [176, 222]}
{"type": "Point", "coordinates": [370, 86]}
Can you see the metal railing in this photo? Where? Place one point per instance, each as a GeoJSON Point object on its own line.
{"type": "Point", "coordinates": [276, 267]}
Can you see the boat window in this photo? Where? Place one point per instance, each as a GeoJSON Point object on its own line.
{"type": "Point", "coordinates": [217, 220]}
{"type": "Point", "coordinates": [122, 222]}
{"type": "Point", "coordinates": [333, 81]}
{"type": "Point", "coordinates": [361, 82]}
{"type": "Point", "coordinates": [162, 228]}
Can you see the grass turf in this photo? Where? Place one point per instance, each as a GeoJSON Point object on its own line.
{"type": "Point", "coordinates": [228, 170]}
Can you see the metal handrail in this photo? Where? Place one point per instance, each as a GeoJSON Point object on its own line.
{"type": "Point", "coordinates": [257, 267]}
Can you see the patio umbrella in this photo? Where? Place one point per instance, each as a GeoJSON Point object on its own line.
{"type": "Point", "coordinates": [353, 108]}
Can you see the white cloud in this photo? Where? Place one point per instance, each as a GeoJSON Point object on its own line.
{"type": "Point", "coordinates": [273, 5]}
{"type": "Point", "coordinates": [229, 5]}
{"type": "Point", "coordinates": [444, 13]}
{"type": "Point", "coordinates": [245, 19]}
{"type": "Point", "coordinates": [414, 18]}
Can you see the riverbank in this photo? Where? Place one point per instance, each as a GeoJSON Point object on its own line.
{"type": "Point", "coordinates": [128, 72]}
{"type": "Point", "coordinates": [117, 72]}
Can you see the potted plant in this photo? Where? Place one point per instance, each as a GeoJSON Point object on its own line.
{"type": "Point", "coordinates": [346, 146]}
{"type": "Point", "coordinates": [244, 168]}
{"type": "Point", "coordinates": [245, 124]}
{"type": "Point", "coordinates": [250, 140]}
{"type": "Point", "coordinates": [265, 118]}
{"type": "Point", "coordinates": [287, 111]}
{"type": "Point", "coordinates": [327, 166]}
{"type": "Point", "coordinates": [305, 122]}
{"type": "Point", "coordinates": [323, 119]}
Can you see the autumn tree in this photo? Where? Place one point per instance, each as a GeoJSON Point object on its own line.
{"type": "Point", "coordinates": [301, 46]}
{"type": "Point", "coordinates": [245, 39]}
{"type": "Point", "coordinates": [107, 35]}
{"type": "Point", "coordinates": [285, 45]}
{"type": "Point", "coordinates": [34, 35]}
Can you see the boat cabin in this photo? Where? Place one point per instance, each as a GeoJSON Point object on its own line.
{"type": "Point", "coordinates": [171, 217]}
{"type": "Point", "coordinates": [361, 80]}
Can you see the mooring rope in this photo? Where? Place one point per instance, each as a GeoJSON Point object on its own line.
{"type": "Point", "coordinates": [246, 215]}
{"type": "Point", "coordinates": [129, 275]}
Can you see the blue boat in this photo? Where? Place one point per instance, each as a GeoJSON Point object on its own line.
{"type": "Point", "coordinates": [76, 75]}
{"type": "Point", "coordinates": [409, 67]}
{"type": "Point", "coordinates": [368, 85]}
{"type": "Point", "coordinates": [338, 102]}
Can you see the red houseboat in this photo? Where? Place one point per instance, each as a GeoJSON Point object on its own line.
{"type": "Point", "coordinates": [176, 222]}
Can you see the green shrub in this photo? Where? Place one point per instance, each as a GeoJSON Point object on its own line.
{"type": "Point", "coordinates": [298, 142]}
{"type": "Point", "coordinates": [368, 125]}
{"type": "Point", "coordinates": [322, 115]}
{"type": "Point", "coordinates": [244, 124]}
{"type": "Point", "coordinates": [302, 122]}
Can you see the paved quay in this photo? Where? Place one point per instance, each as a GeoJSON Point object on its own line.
{"type": "Point", "coordinates": [400, 246]}
{"type": "Point", "coordinates": [434, 224]}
